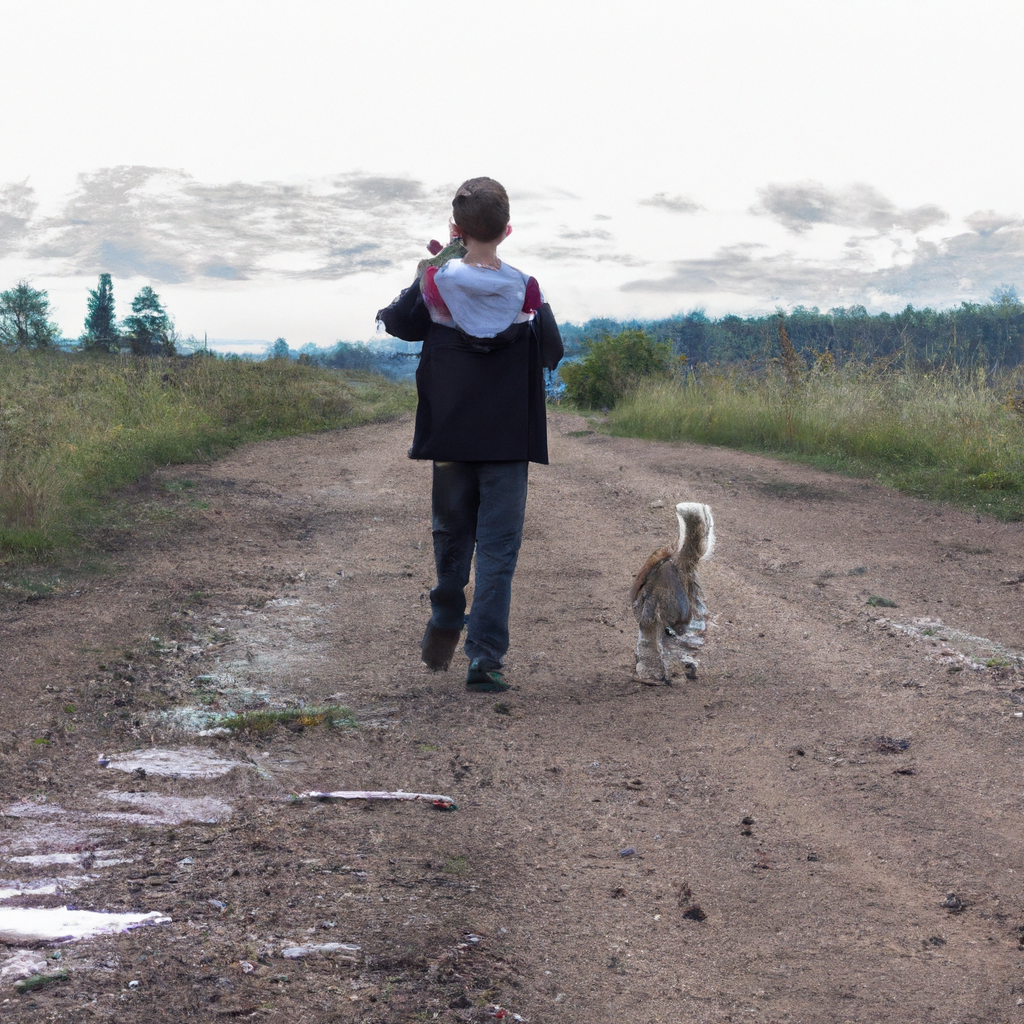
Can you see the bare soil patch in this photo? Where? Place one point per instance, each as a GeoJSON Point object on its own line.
{"type": "Point", "coordinates": [824, 826]}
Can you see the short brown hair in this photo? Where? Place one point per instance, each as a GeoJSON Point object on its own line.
{"type": "Point", "coordinates": [480, 208]}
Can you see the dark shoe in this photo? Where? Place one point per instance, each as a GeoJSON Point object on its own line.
{"type": "Point", "coordinates": [485, 677]}
{"type": "Point", "coordinates": [438, 647]}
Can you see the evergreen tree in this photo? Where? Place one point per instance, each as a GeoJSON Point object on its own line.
{"type": "Point", "coordinates": [149, 328]}
{"type": "Point", "coordinates": [24, 322]}
{"type": "Point", "coordinates": [279, 350]}
{"type": "Point", "coordinates": [100, 326]}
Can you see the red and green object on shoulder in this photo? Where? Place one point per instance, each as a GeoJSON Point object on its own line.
{"type": "Point", "coordinates": [440, 255]}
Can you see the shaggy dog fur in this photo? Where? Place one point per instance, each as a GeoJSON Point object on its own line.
{"type": "Point", "coordinates": [668, 603]}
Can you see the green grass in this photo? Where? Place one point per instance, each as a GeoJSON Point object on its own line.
{"type": "Point", "coordinates": [38, 981]}
{"type": "Point", "coordinates": [260, 722]}
{"type": "Point", "coordinates": [949, 436]}
{"type": "Point", "coordinates": [74, 427]}
{"type": "Point", "coordinates": [456, 864]}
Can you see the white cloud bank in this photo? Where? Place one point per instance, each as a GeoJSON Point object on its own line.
{"type": "Point", "coordinates": [312, 260]}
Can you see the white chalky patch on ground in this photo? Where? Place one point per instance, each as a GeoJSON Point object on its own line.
{"type": "Point", "coordinates": [49, 835]}
{"type": "Point", "coordinates": [57, 924]}
{"type": "Point", "coordinates": [188, 719]}
{"type": "Point", "coordinates": [186, 762]}
{"type": "Point", "coordinates": [22, 963]}
{"type": "Point", "coordinates": [955, 648]}
{"type": "Point", "coordinates": [298, 952]}
{"type": "Point", "coordinates": [32, 809]}
{"type": "Point", "coordinates": [44, 886]}
{"type": "Point", "coordinates": [150, 809]}
{"type": "Point", "coordinates": [39, 860]}
{"type": "Point", "coordinates": [226, 694]}
{"type": "Point", "coordinates": [157, 809]}
{"type": "Point", "coordinates": [9, 891]}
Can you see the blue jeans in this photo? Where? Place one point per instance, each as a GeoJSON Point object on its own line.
{"type": "Point", "coordinates": [481, 505]}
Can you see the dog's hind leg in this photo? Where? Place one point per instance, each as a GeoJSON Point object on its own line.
{"type": "Point", "coordinates": [650, 667]}
{"type": "Point", "coordinates": [676, 648]}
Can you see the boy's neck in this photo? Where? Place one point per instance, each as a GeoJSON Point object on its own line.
{"type": "Point", "coordinates": [482, 254]}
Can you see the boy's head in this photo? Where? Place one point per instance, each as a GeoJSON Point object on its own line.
{"type": "Point", "coordinates": [480, 209]}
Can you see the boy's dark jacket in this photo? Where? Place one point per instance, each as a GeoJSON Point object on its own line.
{"type": "Point", "coordinates": [480, 399]}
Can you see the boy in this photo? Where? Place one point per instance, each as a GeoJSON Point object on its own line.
{"type": "Point", "coordinates": [487, 338]}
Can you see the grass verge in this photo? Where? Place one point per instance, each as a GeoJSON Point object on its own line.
{"type": "Point", "coordinates": [949, 436]}
{"type": "Point", "coordinates": [74, 427]}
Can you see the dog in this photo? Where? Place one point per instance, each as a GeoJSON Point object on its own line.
{"type": "Point", "coordinates": [667, 600]}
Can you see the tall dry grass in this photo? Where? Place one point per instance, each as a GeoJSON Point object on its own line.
{"type": "Point", "coordinates": [955, 436]}
{"type": "Point", "coordinates": [75, 427]}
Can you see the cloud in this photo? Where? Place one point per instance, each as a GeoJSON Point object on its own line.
{"type": "Point", "coordinates": [748, 269]}
{"type": "Point", "coordinates": [674, 204]}
{"type": "Point", "coordinates": [543, 195]}
{"type": "Point", "coordinates": [584, 254]}
{"type": "Point", "coordinates": [165, 225]}
{"type": "Point", "coordinates": [801, 205]}
{"type": "Point", "coordinates": [597, 233]}
{"type": "Point", "coordinates": [168, 227]}
{"type": "Point", "coordinates": [986, 222]}
{"type": "Point", "coordinates": [965, 266]}
{"type": "Point", "coordinates": [17, 205]}
{"type": "Point", "coordinates": [571, 245]}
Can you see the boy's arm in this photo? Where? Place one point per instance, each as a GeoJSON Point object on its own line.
{"type": "Point", "coordinates": [551, 349]}
{"type": "Point", "coordinates": [407, 318]}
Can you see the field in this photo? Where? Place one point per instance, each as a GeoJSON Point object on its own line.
{"type": "Point", "coordinates": [823, 826]}
{"type": "Point", "coordinates": [74, 428]}
{"type": "Point", "coordinates": [954, 435]}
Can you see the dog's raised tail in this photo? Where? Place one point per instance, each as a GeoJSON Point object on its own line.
{"type": "Point", "coordinates": [696, 533]}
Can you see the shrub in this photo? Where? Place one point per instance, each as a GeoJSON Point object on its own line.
{"type": "Point", "coordinates": [613, 365]}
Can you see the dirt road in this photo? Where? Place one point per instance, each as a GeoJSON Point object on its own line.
{"type": "Point", "coordinates": [825, 826]}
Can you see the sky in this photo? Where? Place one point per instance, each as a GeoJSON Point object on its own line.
{"type": "Point", "coordinates": [276, 169]}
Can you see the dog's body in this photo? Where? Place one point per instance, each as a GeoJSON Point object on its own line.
{"type": "Point", "coordinates": [668, 603]}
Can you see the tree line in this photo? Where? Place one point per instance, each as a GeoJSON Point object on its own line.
{"type": "Point", "coordinates": [988, 335]}
{"type": "Point", "coordinates": [25, 321]}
